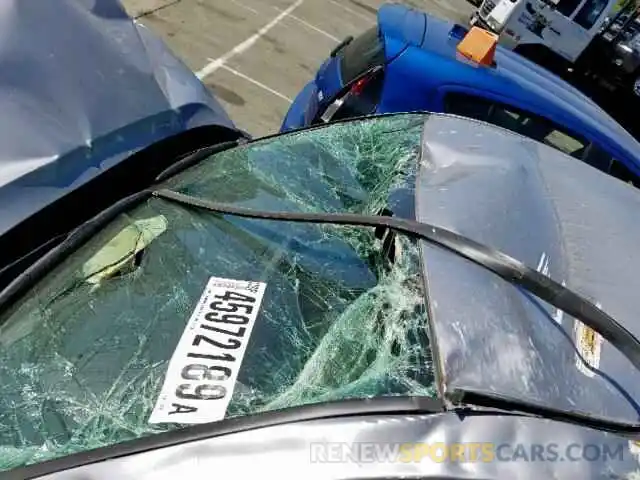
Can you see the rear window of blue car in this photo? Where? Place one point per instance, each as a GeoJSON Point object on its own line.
{"type": "Point", "coordinates": [516, 120]}
{"type": "Point", "coordinates": [361, 54]}
{"type": "Point", "coordinates": [540, 129]}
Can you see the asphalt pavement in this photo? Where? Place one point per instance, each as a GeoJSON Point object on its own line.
{"type": "Point", "coordinates": [256, 55]}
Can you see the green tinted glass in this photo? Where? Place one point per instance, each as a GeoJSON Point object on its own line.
{"type": "Point", "coordinates": [85, 353]}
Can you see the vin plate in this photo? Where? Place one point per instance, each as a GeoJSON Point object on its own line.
{"type": "Point", "coordinates": [204, 367]}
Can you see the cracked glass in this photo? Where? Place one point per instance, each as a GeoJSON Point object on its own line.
{"type": "Point", "coordinates": [85, 351]}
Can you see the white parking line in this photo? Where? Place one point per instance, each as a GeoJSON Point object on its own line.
{"type": "Point", "coordinates": [312, 27]}
{"type": "Point", "coordinates": [291, 15]}
{"type": "Point", "coordinates": [246, 44]}
{"type": "Point", "coordinates": [257, 83]}
{"type": "Point", "coordinates": [353, 12]}
{"type": "Point", "coordinates": [246, 7]}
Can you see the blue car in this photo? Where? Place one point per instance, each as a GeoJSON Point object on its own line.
{"type": "Point", "coordinates": [91, 101]}
{"type": "Point", "coordinates": [409, 62]}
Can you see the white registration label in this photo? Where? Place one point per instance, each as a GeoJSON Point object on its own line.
{"type": "Point", "coordinates": [204, 367]}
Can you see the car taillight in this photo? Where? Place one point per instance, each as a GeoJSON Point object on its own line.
{"type": "Point", "coordinates": [359, 98]}
{"type": "Point", "coordinates": [358, 86]}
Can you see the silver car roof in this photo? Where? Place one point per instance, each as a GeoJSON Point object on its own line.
{"type": "Point", "coordinates": [554, 213]}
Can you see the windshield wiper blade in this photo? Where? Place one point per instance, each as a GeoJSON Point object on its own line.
{"type": "Point", "coordinates": [505, 403]}
{"type": "Point", "coordinates": [390, 405]}
{"type": "Point", "coordinates": [506, 267]}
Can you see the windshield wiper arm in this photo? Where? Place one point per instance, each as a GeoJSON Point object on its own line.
{"type": "Point", "coordinates": [506, 267]}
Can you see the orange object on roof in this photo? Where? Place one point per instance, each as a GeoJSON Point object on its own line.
{"type": "Point", "coordinates": [479, 45]}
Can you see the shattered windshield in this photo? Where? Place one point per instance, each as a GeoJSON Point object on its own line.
{"type": "Point", "coordinates": [299, 313]}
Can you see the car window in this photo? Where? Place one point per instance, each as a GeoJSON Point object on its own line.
{"type": "Point", "coordinates": [590, 12]}
{"type": "Point", "coordinates": [567, 7]}
{"type": "Point", "coordinates": [622, 172]}
{"type": "Point", "coordinates": [563, 141]}
{"type": "Point", "coordinates": [598, 158]}
{"type": "Point", "coordinates": [524, 123]}
{"type": "Point", "coordinates": [85, 352]}
{"type": "Point", "coordinates": [602, 160]}
{"type": "Point", "coordinates": [361, 54]}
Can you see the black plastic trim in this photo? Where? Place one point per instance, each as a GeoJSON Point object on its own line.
{"type": "Point", "coordinates": [341, 45]}
{"type": "Point", "coordinates": [194, 158]}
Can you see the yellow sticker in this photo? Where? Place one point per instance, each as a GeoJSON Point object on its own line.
{"type": "Point", "coordinates": [118, 254]}
{"type": "Point", "coordinates": [634, 448]}
{"type": "Point", "coordinates": [589, 345]}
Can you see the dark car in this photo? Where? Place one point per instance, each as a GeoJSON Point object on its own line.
{"type": "Point", "coordinates": [404, 282]}
{"type": "Point", "coordinates": [84, 91]}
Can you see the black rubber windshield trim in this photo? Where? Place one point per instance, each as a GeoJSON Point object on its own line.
{"type": "Point", "coordinates": [506, 267]}
{"type": "Point", "coordinates": [194, 158]}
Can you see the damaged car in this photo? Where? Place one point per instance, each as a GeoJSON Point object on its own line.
{"type": "Point", "coordinates": [409, 279]}
{"type": "Point", "coordinates": [85, 92]}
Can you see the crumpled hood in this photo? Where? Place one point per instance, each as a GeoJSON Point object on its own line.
{"type": "Point", "coordinates": [555, 214]}
{"type": "Point", "coordinates": [82, 87]}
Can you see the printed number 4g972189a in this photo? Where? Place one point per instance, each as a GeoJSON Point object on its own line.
{"type": "Point", "coordinates": [203, 371]}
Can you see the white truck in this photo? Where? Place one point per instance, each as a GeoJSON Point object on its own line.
{"type": "Point", "coordinates": [576, 39]}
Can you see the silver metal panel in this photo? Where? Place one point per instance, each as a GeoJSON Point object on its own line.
{"type": "Point", "coordinates": [543, 208]}
{"type": "Point", "coordinates": [370, 447]}
{"type": "Point", "coordinates": [81, 88]}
